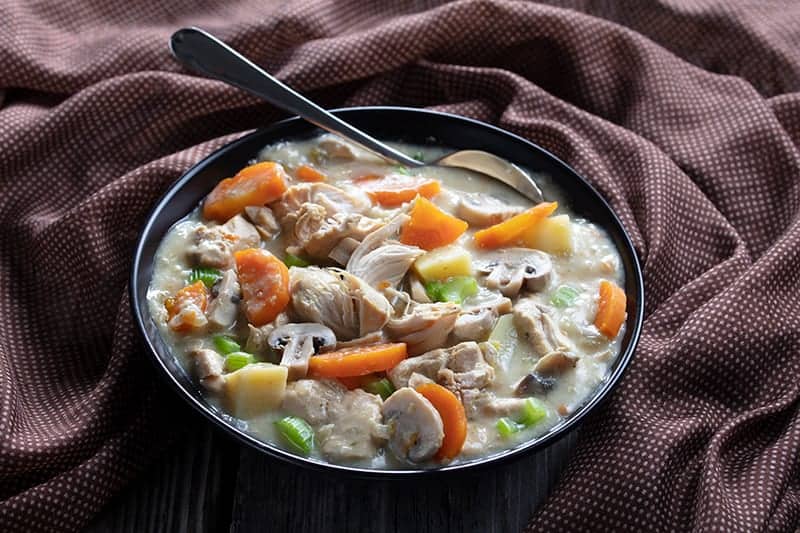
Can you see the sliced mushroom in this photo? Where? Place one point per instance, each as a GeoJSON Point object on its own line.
{"type": "Point", "coordinates": [534, 385]}
{"type": "Point", "coordinates": [224, 306]}
{"type": "Point", "coordinates": [512, 269]}
{"type": "Point", "coordinates": [298, 342]}
{"type": "Point", "coordinates": [415, 426]}
{"type": "Point", "coordinates": [481, 210]}
{"type": "Point", "coordinates": [555, 364]}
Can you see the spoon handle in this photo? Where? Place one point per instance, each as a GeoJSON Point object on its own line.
{"type": "Point", "coordinates": [208, 55]}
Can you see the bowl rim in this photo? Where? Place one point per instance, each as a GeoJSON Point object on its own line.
{"type": "Point", "coordinates": [559, 431]}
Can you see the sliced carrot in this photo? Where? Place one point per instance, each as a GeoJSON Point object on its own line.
{"type": "Point", "coordinates": [265, 284]}
{"type": "Point", "coordinates": [309, 174]}
{"type": "Point", "coordinates": [453, 416]}
{"type": "Point", "coordinates": [395, 189]}
{"type": "Point", "coordinates": [257, 184]}
{"type": "Point", "coordinates": [510, 232]}
{"type": "Point", "coordinates": [358, 360]}
{"type": "Point", "coordinates": [610, 309]}
{"type": "Point", "coordinates": [430, 227]}
{"type": "Point", "coordinates": [185, 310]}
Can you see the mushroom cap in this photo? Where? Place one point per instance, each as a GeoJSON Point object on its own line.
{"type": "Point", "coordinates": [323, 336]}
{"type": "Point", "coordinates": [508, 269]}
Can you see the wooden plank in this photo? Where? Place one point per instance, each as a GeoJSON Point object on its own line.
{"type": "Point", "coordinates": [189, 489]}
{"type": "Point", "coordinates": [272, 496]}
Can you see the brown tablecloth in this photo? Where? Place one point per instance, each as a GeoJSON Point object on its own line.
{"type": "Point", "coordinates": [685, 114]}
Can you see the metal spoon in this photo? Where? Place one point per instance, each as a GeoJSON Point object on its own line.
{"type": "Point", "coordinates": [208, 55]}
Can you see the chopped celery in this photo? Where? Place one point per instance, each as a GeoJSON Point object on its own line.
{"type": "Point", "coordinates": [297, 433]}
{"type": "Point", "coordinates": [402, 170]}
{"type": "Point", "coordinates": [225, 345]}
{"type": "Point", "coordinates": [564, 296]}
{"type": "Point", "coordinates": [236, 360]}
{"type": "Point", "coordinates": [209, 276]}
{"type": "Point", "coordinates": [507, 427]}
{"type": "Point", "coordinates": [419, 156]}
{"type": "Point", "coordinates": [532, 412]}
{"type": "Point", "coordinates": [382, 387]}
{"type": "Point", "coordinates": [453, 289]}
{"type": "Point", "coordinates": [295, 261]}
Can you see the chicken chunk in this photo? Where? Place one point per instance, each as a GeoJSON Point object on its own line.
{"type": "Point", "coordinates": [535, 324]}
{"type": "Point", "coordinates": [208, 369]}
{"type": "Point", "coordinates": [210, 248]}
{"type": "Point", "coordinates": [479, 403]}
{"type": "Point", "coordinates": [315, 234]}
{"type": "Point", "coordinates": [423, 327]}
{"type": "Point", "coordinates": [242, 233]}
{"type": "Point", "coordinates": [415, 426]}
{"type": "Point", "coordinates": [332, 199]}
{"type": "Point", "coordinates": [457, 367]}
{"type": "Point", "coordinates": [481, 210]}
{"type": "Point", "coordinates": [224, 306]}
{"type": "Point", "coordinates": [380, 258]}
{"type": "Point", "coordinates": [264, 220]}
{"type": "Point", "coordinates": [356, 430]}
{"type": "Point", "coordinates": [339, 300]}
{"type": "Point", "coordinates": [348, 423]}
{"type": "Point", "coordinates": [475, 326]}
{"type": "Point", "coordinates": [313, 400]}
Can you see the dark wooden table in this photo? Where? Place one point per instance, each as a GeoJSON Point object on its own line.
{"type": "Point", "coordinates": [209, 482]}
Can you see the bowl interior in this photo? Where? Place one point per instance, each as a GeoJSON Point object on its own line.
{"type": "Point", "coordinates": [398, 124]}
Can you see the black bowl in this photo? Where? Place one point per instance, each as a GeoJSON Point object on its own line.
{"type": "Point", "coordinates": [401, 124]}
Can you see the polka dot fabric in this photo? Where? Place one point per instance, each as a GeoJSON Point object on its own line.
{"type": "Point", "coordinates": [685, 114]}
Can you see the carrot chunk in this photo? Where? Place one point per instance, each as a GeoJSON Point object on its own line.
{"type": "Point", "coordinates": [610, 309]}
{"type": "Point", "coordinates": [430, 227]}
{"type": "Point", "coordinates": [454, 419]}
{"type": "Point", "coordinates": [186, 310]}
{"type": "Point", "coordinates": [265, 285]}
{"type": "Point", "coordinates": [257, 184]}
{"type": "Point", "coordinates": [395, 189]}
{"type": "Point", "coordinates": [308, 173]}
{"type": "Point", "coordinates": [510, 232]}
{"type": "Point", "coordinates": [358, 360]}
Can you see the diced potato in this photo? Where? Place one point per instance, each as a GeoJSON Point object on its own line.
{"type": "Point", "coordinates": [443, 263]}
{"type": "Point", "coordinates": [552, 235]}
{"type": "Point", "coordinates": [255, 389]}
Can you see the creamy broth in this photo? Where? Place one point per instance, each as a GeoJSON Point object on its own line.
{"type": "Point", "coordinates": [593, 259]}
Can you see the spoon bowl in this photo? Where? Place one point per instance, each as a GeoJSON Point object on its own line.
{"type": "Point", "coordinates": [206, 54]}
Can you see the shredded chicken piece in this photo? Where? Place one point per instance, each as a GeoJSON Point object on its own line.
{"type": "Point", "coordinates": [339, 300]}
{"type": "Point", "coordinates": [332, 199]}
{"type": "Point", "coordinates": [461, 366]}
{"type": "Point", "coordinates": [315, 234]}
{"type": "Point", "coordinates": [423, 327]}
{"type": "Point", "coordinates": [535, 324]}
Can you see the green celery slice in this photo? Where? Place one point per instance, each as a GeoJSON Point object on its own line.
{"type": "Point", "coordinates": [236, 360]}
{"type": "Point", "coordinates": [209, 276]}
{"type": "Point", "coordinates": [297, 433]}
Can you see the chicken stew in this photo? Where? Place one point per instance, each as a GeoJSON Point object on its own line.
{"type": "Point", "coordinates": [365, 314]}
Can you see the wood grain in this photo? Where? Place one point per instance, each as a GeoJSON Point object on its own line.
{"type": "Point", "coordinates": [277, 497]}
{"type": "Point", "coordinates": [189, 489]}
{"type": "Point", "coordinates": [207, 482]}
